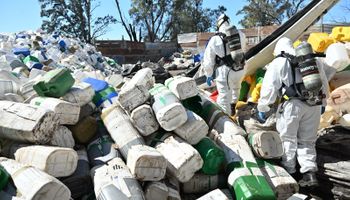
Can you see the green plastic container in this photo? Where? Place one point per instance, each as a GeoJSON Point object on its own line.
{"type": "Point", "coordinates": [243, 94]}
{"type": "Point", "coordinates": [4, 178]}
{"type": "Point", "coordinates": [212, 155]}
{"type": "Point", "coordinates": [55, 83]}
{"type": "Point", "coordinates": [104, 95]}
{"type": "Point", "coordinates": [249, 183]}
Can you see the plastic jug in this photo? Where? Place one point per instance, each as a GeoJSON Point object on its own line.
{"type": "Point", "coordinates": [32, 62]}
{"type": "Point", "coordinates": [97, 85]}
{"type": "Point", "coordinates": [107, 94]}
{"type": "Point", "coordinates": [21, 51]}
{"type": "Point", "coordinates": [55, 83]}
{"type": "Point", "coordinates": [213, 156]}
{"type": "Point", "coordinates": [341, 33]}
{"type": "Point", "coordinates": [320, 41]}
{"type": "Point", "coordinates": [249, 186]}
{"type": "Point", "coordinates": [337, 56]}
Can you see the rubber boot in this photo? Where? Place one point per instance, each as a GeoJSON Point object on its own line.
{"type": "Point", "coordinates": [309, 180]}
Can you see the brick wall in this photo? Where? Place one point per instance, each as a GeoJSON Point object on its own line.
{"type": "Point", "coordinates": [131, 52]}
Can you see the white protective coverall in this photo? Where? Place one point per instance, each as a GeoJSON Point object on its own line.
{"type": "Point", "coordinates": [228, 82]}
{"type": "Point", "coordinates": [298, 122]}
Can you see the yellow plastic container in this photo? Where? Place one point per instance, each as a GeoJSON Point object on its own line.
{"type": "Point", "coordinates": [296, 43]}
{"type": "Point", "coordinates": [320, 41]}
{"type": "Point", "coordinates": [341, 33]}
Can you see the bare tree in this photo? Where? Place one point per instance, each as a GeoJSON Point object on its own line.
{"type": "Point", "coordinates": [129, 28]}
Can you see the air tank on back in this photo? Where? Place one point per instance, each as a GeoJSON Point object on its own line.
{"type": "Point", "coordinates": [308, 67]}
{"type": "Point", "coordinates": [235, 46]}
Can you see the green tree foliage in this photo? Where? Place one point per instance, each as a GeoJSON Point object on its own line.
{"type": "Point", "coordinates": [74, 18]}
{"type": "Point", "coordinates": [268, 12]}
{"type": "Point", "coordinates": [190, 16]}
{"type": "Point", "coordinates": [162, 20]}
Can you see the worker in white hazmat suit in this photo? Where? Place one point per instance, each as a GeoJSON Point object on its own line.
{"type": "Point", "coordinates": [299, 79]}
{"type": "Point", "coordinates": [224, 54]}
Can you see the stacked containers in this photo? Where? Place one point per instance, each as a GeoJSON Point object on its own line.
{"type": "Point", "coordinates": [146, 163]}
{"type": "Point", "coordinates": [201, 183]}
{"type": "Point", "coordinates": [121, 129]}
{"type": "Point", "coordinates": [170, 113]}
{"type": "Point", "coordinates": [45, 187]}
{"type": "Point", "coordinates": [101, 149]}
{"type": "Point", "coordinates": [183, 160]}
{"type": "Point", "coordinates": [212, 155]}
{"type": "Point", "coordinates": [103, 92]}
{"type": "Point", "coordinates": [79, 183]}
{"type": "Point", "coordinates": [56, 161]}
{"type": "Point", "coordinates": [144, 120]}
{"type": "Point", "coordinates": [194, 129]}
{"type": "Point", "coordinates": [135, 92]}
{"type": "Point", "coordinates": [81, 93]}
{"type": "Point", "coordinates": [320, 41]}
{"type": "Point", "coordinates": [55, 83]}
{"type": "Point", "coordinates": [26, 123]}
{"type": "Point", "coordinates": [245, 178]}
{"type": "Point", "coordinates": [282, 183]}
{"type": "Point", "coordinates": [67, 113]}
{"type": "Point", "coordinates": [114, 181]}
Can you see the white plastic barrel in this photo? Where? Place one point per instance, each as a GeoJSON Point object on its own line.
{"type": "Point", "coordinates": [281, 182]}
{"type": "Point", "coordinates": [115, 181]}
{"type": "Point", "coordinates": [337, 56]}
{"type": "Point", "coordinates": [217, 194]}
{"type": "Point", "coordinates": [194, 129]}
{"type": "Point", "coordinates": [26, 123]}
{"type": "Point", "coordinates": [183, 160]}
{"type": "Point", "coordinates": [33, 183]}
{"type": "Point", "coordinates": [67, 113]}
{"type": "Point", "coordinates": [182, 87]}
{"type": "Point", "coordinates": [266, 144]}
{"type": "Point", "coordinates": [146, 163]}
{"type": "Point", "coordinates": [121, 129]}
{"type": "Point", "coordinates": [115, 80]}
{"type": "Point", "coordinates": [63, 137]}
{"type": "Point", "coordinates": [170, 113]}
{"type": "Point", "coordinates": [144, 120]}
{"type": "Point", "coordinates": [156, 190]}
{"type": "Point", "coordinates": [56, 161]}
{"type": "Point", "coordinates": [81, 94]}
{"type": "Point", "coordinates": [135, 92]}
{"type": "Point", "coordinates": [218, 120]}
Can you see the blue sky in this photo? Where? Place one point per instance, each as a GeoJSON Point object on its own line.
{"type": "Point", "coordinates": [29, 19]}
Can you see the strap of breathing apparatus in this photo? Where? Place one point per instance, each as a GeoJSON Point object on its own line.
{"type": "Point", "coordinates": [294, 91]}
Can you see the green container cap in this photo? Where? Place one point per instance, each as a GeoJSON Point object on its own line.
{"type": "Point", "coordinates": [212, 155]}
{"type": "Point", "coordinates": [4, 177]}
